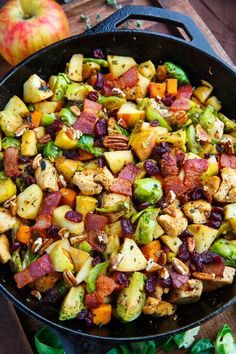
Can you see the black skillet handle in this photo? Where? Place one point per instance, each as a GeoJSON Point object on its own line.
{"type": "Point", "coordinates": [155, 14]}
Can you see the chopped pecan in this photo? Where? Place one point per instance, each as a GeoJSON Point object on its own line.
{"type": "Point", "coordinates": [45, 139]}
{"type": "Point", "coordinates": [204, 276]}
{"type": "Point", "coordinates": [45, 245]}
{"type": "Point", "coordinates": [36, 294]}
{"type": "Point", "coordinates": [36, 161]}
{"type": "Point", "coordinates": [69, 278]}
{"type": "Point", "coordinates": [37, 245]}
{"type": "Point", "coordinates": [190, 244]}
{"type": "Point", "coordinates": [179, 117]}
{"type": "Point", "coordinates": [116, 142]}
{"type": "Point", "coordinates": [20, 130]}
{"type": "Point", "coordinates": [179, 266]}
{"type": "Point", "coordinates": [116, 261]}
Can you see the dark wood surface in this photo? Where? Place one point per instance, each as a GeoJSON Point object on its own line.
{"type": "Point", "coordinates": [16, 329]}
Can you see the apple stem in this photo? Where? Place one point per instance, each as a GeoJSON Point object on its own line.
{"type": "Point", "coordinates": [26, 6]}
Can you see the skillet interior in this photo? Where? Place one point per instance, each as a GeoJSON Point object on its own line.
{"type": "Point", "coordinates": [141, 46]}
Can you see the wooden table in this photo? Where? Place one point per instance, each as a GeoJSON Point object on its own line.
{"type": "Point", "coordinates": [16, 329]}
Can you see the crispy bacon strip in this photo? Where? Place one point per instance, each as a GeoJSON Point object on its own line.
{"type": "Point", "coordinates": [173, 183]}
{"type": "Point", "coordinates": [43, 222]}
{"type": "Point", "coordinates": [185, 91]}
{"type": "Point", "coordinates": [10, 162]}
{"type": "Point", "coordinates": [180, 103]}
{"type": "Point", "coordinates": [169, 165]}
{"type": "Point", "coordinates": [193, 170]}
{"type": "Point", "coordinates": [86, 123]}
{"type": "Point", "coordinates": [104, 287]}
{"type": "Point", "coordinates": [94, 222]}
{"type": "Point", "coordinates": [123, 184]}
{"type": "Point", "coordinates": [227, 161]}
{"type": "Point", "coordinates": [91, 106]}
{"type": "Point", "coordinates": [36, 270]}
{"type": "Point", "coordinates": [216, 268]}
{"type": "Point", "coordinates": [50, 202]}
{"type": "Point", "coordinates": [128, 79]}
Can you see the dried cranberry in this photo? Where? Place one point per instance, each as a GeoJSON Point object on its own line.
{"type": "Point", "coordinates": [154, 123]}
{"type": "Point", "coordinates": [23, 159]}
{"type": "Point", "coordinates": [165, 283]}
{"type": "Point", "coordinates": [99, 142]}
{"type": "Point", "coordinates": [206, 257]}
{"type": "Point", "coordinates": [159, 150]}
{"type": "Point", "coordinates": [101, 127]}
{"type": "Point", "coordinates": [168, 100]}
{"type": "Point", "coordinates": [150, 284]}
{"type": "Point", "coordinates": [197, 193]}
{"type": "Point", "coordinates": [92, 96]}
{"type": "Point", "coordinates": [51, 296]}
{"type": "Point", "coordinates": [100, 81]}
{"type": "Point", "coordinates": [15, 246]}
{"type": "Point", "coordinates": [127, 226]}
{"type": "Point", "coordinates": [151, 167]}
{"type": "Point", "coordinates": [86, 316]}
{"type": "Point", "coordinates": [144, 205]}
{"type": "Point", "coordinates": [122, 280]}
{"type": "Point", "coordinates": [29, 180]}
{"type": "Point", "coordinates": [213, 224]}
{"type": "Point", "coordinates": [220, 148]}
{"type": "Point", "coordinates": [161, 203]}
{"type": "Point", "coordinates": [101, 161]}
{"type": "Point", "coordinates": [98, 54]}
{"type": "Point", "coordinates": [29, 170]}
{"type": "Point", "coordinates": [114, 113]}
{"type": "Point", "coordinates": [219, 210]}
{"type": "Point", "coordinates": [185, 235]}
{"type": "Point", "coordinates": [72, 154]}
{"type": "Point", "coordinates": [54, 128]}
{"type": "Point", "coordinates": [96, 261]}
{"type": "Point", "coordinates": [53, 231]}
{"type": "Point", "coordinates": [74, 216]}
{"type": "Point", "coordinates": [215, 216]}
{"type": "Point", "coordinates": [183, 254]}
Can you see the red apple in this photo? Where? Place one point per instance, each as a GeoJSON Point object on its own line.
{"type": "Point", "coordinates": [29, 25]}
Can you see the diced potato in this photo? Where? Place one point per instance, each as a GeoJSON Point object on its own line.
{"type": "Point", "coordinates": [46, 176]}
{"type": "Point", "coordinates": [130, 114]}
{"type": "Point", "coordinates": [40, 132]}
{"type": "Point", "coordinates": [46, 107]}
{"type": "Point", "coordinates": [172, 242]}
{"type": "Point", "coordinates": [197, 211]}
{"type": "Point", "coordinates": [16, 105]}
{"type": "Point", "coordinates": [187, 293]}
{"type": "Point", "coordinates": [118, 159]}
{"type": "Point", "coordinates": [147, 69]}
{"type": "Point", "coordinates": [89, 69]}
{"type": "Point", "coordinates": [85, 204]}
{"type": "Point", "coordinates": [67, 167]}
{"type": "Point", "coordinates": [61, 259]}
{"type": "Point", "coordinates": [138, 91]}
{"type": "Point", "coordinates": [133, 259]}
{"type": "Point", "coordinates": [75, 67]}
{"type": "Point", "coordinates": [203, 92]}
{"type": "Point", "coordinates": [230, 211]}
{"type": "Point", "coordinates": [44, 284]}
{"type": "Point", "coordinates": [118, 65]}
{"type": "Point", "coordinates": [29, 143]}
{"type": "Point", "coordinates": [64, 243]}
{"type": "Point", "coordinates": [7, 221]}
{"type": "Point", "coordinates": [79, 258]}
{"type": "Point", "coordinates": [218, 282]}
{"type": "Point", "coordinates": [232, 223]}
{"type": "Point", "coordinates": [113, 245]}
{"type": "Point", "coordinates": [29, 201]}
{"type": "Point", "coordinates": [7, 189]}
{"type": "Point", "coordinates": [60, 220]}
{"type": "Point", "coordinates": [203, 236]}
{"type": "Point", "coordinates": [35, 90]}
{"type": "Point", "coordinates": [9, 122]}
{"type": "Point", "coordinates": [158, 231]}
{"type": "Point", "coordinates": [5, 254]}
{"type": "Point", "coordinates": [114, 229]}
{"type": "Point", "coordinates": [64, 142]}
{"type": "Point", "coordinates": [84, 271]}
{"type": "Point", "coordinates": [214, 102]}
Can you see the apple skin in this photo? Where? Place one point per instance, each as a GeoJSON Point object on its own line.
{"type": "Point", "coordinates": [20, 36]}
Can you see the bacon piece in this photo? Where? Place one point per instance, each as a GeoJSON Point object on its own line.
{"type": "Point", "coordinates": [180, 103]}
{"type": "Point", "coordinates": [193, 170]}
{"type": "Point", "coordinates": [185, 91]}
{"type": "Point", "coordinates": [50, 202]}
{"type": "Point", "coordinates": [129, 78]}
{"type": "Point", "coordinates": [169, 165]}
{"type": "Point", "coordinates": [227, 161]}
{"type": "Point", "coordinates": [178, 279]}
{"type": "Point", "coordinates": [94, 222]}
{"type": "Point", "coordinates": [86, 123]}
{"type": "Point", "coordinates": [43, 222]}
{"type": "Point", "coordinates": [123, 184]}
{"type": "Point", "coordinates": [216, 268]}
{"type": "Point", "coordinates": [10, 162]}
{"type": "Point", "coordinates": [107, 88]}
{"type": "Point", "coordinates": [94, 241]}
{"type": "Point", "coordinates": [104, 287]}
{"type": "Point", "coordinates": [36, 270]}
{"type": "Point", "coordinates": [173, 183]}
{"type": "Point", "coordinates": [91, 106]}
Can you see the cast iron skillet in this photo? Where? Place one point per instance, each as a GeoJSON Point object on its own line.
{"type": "Point", "coordinates": [199, 60]}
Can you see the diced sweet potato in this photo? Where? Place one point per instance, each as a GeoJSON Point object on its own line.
{"type": "Point", "coordinates": [150, 250]}
{"type": "Point", "coordinates": [101, 314]}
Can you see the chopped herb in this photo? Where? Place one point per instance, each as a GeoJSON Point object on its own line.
{"type": "Point", "coordinates": [139, 24]}
{"type": "Point", "coordinates": [114, 3]}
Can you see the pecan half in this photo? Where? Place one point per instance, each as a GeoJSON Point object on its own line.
{"type": "Point", "coordinates": [179, 266]}
{"type": "Point", "coordinates": [204, 276]}
{"type": "Point", "coordinates": [45, 139]}
{"type": "Point", "coordinates": [116, 142]}
{"type": "Point", "coordinates": [69, 278]}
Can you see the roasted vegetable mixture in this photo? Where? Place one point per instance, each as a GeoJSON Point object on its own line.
{"type": "Point", "coordinates": [117, 189]}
